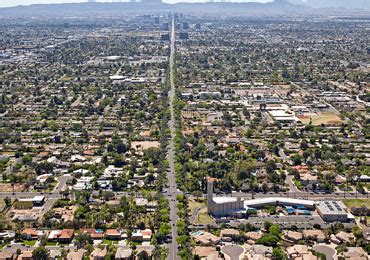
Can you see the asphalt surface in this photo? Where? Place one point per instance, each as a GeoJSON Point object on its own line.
{"type": "Point", "coordinates": [233, 251]}
{"type": "Point", "coordinates": [305, 222]}
{"type": "Point", "coordinates": [289, 181]}
{"type": "Point", "coordinates": [328, 251]}
{"type": "Point", "coordinates": [172, 190]}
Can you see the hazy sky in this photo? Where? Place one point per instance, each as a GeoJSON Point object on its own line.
{"type": "Point", "coordinates": [6, 3]}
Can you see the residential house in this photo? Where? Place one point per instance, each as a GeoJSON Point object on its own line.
{"type": "Point", "coordinates": [345, 237]}
{"type": "Point", "coordinates": [66, 236]}
{"type": "Point", "coordinates": [113, 234]}
{"type": "Point", "coordinates": [53, 235]}
{"type": "Point", "coordinates": [144, 252]}
{"type": "Point", "coordinates": [123, 253]}
{"type": "Point", "coordinates": [26, 255]}
{"type": "Point", "coordinates": [141, 235]}
{"type": "Point", "coordinates": [315, 235]}
{"type": "Point", "coordinates": [299, 252]}
{"type": "Point", "coordinates": [55, 254]}
{"type": "Point", "coordinates": [76, 255]}
{"type": "Point", "coordinates": [205, 238]}
{"type": "Point", "coordinates": [259, 252]}
{"type": "Point", "coordinates": [31, 233]}
{"type": "Point", "coordinates": [98, 254]}
{"type": "Point", "coordinates": [252, 236]}
{"type": "Point", "coordinates": [205, 251]}
{"type": "Point", "coordinates": [229, 234]}
{"type": "Point", "coordinates": [357, 253]}
{"type": "Point", "coordinates": [6, 255]}
{"type": "Point", "coordinates": [93, 233]}
{"type": "Point", "coordinates": [293, 236]}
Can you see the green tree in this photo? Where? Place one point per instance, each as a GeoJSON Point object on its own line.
{"type": "Point", "coordinates": [278, 254]}
{"type": "Point", "coordinates": [268, 240]}
{"type": "Point", "coordinates": [82, 239]}
{"type": "Point", "coordinates": [40, 253]}
{"type": "Point", "coordinates": [8, 201]}
{"type": "Point", "coordinates": [270, 166]}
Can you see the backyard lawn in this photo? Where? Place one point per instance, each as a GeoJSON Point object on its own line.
{"type": "Point", "coordinates": [29, 242]}
{"type": "Point", "coordinates": [109, 242]}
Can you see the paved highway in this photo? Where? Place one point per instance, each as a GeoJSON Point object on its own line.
{"type": "Point", "coordinates": [172, 190]}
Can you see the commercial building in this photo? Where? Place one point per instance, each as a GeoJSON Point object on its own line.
{"type": "Point", "coordinates": [284, 117]}
{"type": "Point", "coordinates": [37, 201]}
{"type": "Point", "coordinates": [227, 206]}
{"type": "Point", "coordinates": [332, 211]}
{"type": "Point", "coordinates": [222, 206]}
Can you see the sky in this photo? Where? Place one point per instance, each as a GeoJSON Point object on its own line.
{"type": "Point", "coordinates": [7, 3]}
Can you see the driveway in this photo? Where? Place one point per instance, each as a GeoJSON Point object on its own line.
{"type": "Point", "coordinates": [328, 251]}
{"type": "Point", "coordinates": [233, 251]}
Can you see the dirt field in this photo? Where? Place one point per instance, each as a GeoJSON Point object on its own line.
{"type": "Point", "coordinates": [7, 187]}
{"type": "Point", "coordinates": [145, 145]}
{"type": "Point", "coordinates": [325, 118]}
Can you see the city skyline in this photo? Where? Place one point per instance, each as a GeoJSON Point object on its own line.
{"type": "Point", "coordinates": [11, 3]}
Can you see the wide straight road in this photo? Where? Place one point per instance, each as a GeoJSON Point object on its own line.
{"type": "Point", "coordinates": [55, 194]}
{"type": "Point", "coordinates": [172, 190]}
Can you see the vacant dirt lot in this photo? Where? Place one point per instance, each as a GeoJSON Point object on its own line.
{"type": "Point", "coordinates": [7, 187]}
{"type": "Point", "coordinates": [325, 118]}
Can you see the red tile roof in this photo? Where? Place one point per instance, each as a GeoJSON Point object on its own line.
{"type": "Point", "coordinates": [66, 234]}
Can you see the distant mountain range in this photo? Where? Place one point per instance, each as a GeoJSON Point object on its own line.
{"type": "Point", "coordinates": [350, 4]}
{"type": "Point", "coordinates": [277, 8]}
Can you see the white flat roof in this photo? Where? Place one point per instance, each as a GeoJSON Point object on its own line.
{"type": "Point", "coordinates": [39, 198]}
{"type": "Point", "coordinates": [220, 200]}
{"type": "Point", "coordinates": [258, 202]}
{"type": "Point", "coordinates": [266, 201]}
{"type": "Point", "coordinates": [280, 112]}
{"type": "Point", "coordinates": [331, 207]}
{"type": "Point", "coordinates": [117, 77]}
